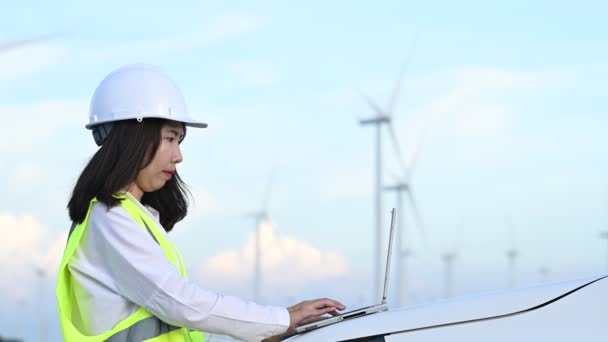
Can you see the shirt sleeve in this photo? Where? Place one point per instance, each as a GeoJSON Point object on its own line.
{"type": "Point", "coordinates": [141, 273]}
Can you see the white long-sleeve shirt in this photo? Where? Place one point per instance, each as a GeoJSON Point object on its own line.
{"type": "Point", "coordinates": [119, 267]}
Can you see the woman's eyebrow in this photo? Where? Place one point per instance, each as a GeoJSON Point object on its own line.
{"type": "Point", "coordinates": [174, 131]}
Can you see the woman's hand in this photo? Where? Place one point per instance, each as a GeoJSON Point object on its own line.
{"type": "Point", "coordinates": [310, 311]}
{"type": "Point", "coordinates": [306, 312]}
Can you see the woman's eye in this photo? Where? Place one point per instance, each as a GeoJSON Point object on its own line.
{"type": "Point", "coordinates": [170, 139]}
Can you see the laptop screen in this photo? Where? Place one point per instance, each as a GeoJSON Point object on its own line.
{"type": "Point", "coordinates": [382, 306]}
{"type": "Point", "coordinates": [388, 256]}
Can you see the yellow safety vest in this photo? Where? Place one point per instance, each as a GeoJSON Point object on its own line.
{"type": "Point", "coordinates": [139, 326]}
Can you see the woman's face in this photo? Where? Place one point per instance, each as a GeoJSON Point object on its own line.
{"type": "Point", "coordinates": [163, 166]}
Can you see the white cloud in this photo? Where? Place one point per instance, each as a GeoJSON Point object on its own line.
{"type": "Point", "coordinates": [456, 108]}
{"type": "Point", "coordinates": [203, 204]}
{"type": "Point", "coordinates": [479, 82]}
{"type": "Point", "coordinates": [489, 80]}
{"type": "Point", "coordinates": [42, 145]}
{"type": "Point", "coordinates": [286, 263]}
{"type": "Point", "coordinates": [474, 102]}
{"type": "Point", "coordinates": [26, 174]}
{"type": "Point", "coordinates": [25, 61]}
{"type": "Point", "coordinates": [30, 126]}
{"type": "Point", "coordinates": [480, 120]}
{"type": "Point", "coordinates": [222, 28]}
{"type": "Point", "coordinates": [464, 103]}
{"type": "Point", "coordinates": [460, 108]}
{"type": "Point", "coordinates": [28, 245]}
{"type": "Point", "coordinates": [28, 60]}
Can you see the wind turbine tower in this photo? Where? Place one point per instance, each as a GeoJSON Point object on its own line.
{"type": "Point", "coordinates": [448, 260]}
{"type": "Point", "coordinates": [512, 254]}
{"type": "Point", "coordinates": [41, 276]}
{"type": "Point", "coordinates": [377, 121]}
{"type": "Point", "coordinates": [259, 217]}
{"type": "Point", "coordinates": [404, 186]}
{"type": "Point", "coordinates": [544, 274]}
{"type": "Point", "coordinates": [383, 116]}
{"type": "Point", "coordinates": [402, 250]}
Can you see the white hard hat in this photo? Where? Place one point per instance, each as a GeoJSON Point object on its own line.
{"type": "Point", "coordinates": [138, 92]}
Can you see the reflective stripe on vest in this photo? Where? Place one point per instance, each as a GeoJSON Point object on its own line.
{"type": "Point", "coordinates": [143, 330]}
{"type": "Point", "coordinates": [139, 326]}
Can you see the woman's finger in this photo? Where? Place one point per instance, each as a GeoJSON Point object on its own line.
{"type": "Point", "coordinates": [325, 302]}
{"type": "Point", "coordinates": [334, 313]}
{"type": "Point", "coordinates": [331, 302]}
{"type": "Point", "coordinates": [323, 311]}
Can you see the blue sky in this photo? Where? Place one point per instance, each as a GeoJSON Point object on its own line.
{"type": "Point", "coordinates": [512, 97]}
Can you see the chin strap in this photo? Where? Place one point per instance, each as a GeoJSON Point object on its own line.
{"type": "Point", "coordinates": [101, 132]}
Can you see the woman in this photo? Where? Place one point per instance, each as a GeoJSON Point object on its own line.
{"type": "Point", "coordinates": [121, 278]}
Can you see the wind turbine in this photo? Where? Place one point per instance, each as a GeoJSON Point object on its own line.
{"type": "Point", "coordinates": [383, 116]}
{"type": "Point", "coordinates": [41, 276]}
{"type": "Point", "coordinates": [448, 260]}
{"type": "Point", "coordinates": [15, 44]}
{"type": "Point", "coordinates": [259, 217]}
{"type": "Point", "coordinates": [402, 186]}
{"type": "Point", "coordinates": [543, 272]}
{"type": "Point", "coordinates": [512, 254]}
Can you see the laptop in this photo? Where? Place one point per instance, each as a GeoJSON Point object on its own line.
{"type": "Point", "coordinates": [382, 306]}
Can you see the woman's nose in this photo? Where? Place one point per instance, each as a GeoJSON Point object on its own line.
{"type": "Point", "coordinates": [177, 156]}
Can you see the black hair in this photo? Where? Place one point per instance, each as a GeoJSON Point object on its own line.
{"type": "Point", "coordinates": [130, 147]}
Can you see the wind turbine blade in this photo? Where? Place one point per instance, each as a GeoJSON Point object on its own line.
{"type": "Point", "coordinates": [392, 104]}
{"type": "Point", "coordinates": [396, 179]}
{"type": "Point", "coordinates": [418, 218]}
{"type": "Point", "coordinates": [371, 103]}
{"type": "Point", "coordinates": [397, 148]}
{"type": "Point", "coordinates": [251, 215]}
{"type": "Point", "coordinates": [415, 155]}
{"type": "Point", "coordinates": [266, 200]}
{"type": "Point", "coordinates": [10, 45]}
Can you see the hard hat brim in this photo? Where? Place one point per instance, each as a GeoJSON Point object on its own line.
{"type": "Point", "coordinates": [190, 123]}
{"type": "Point", "coordinates": [196, 124]}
